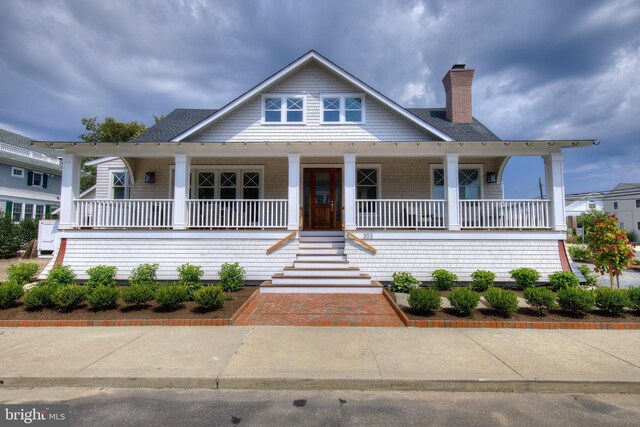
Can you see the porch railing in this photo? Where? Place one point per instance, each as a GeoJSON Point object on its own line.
{"type": "Point", "coordinates": [129, 213]}
{"type": "Point", "coordinates": [504, 214]}
{"type": "Point", "coordinates": [262, 213]}
{"type": "Point", "coordinates": [410, 214]}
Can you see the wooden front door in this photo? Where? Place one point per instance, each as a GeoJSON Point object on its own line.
{"type": "Point", "coordinates": [323, 199]}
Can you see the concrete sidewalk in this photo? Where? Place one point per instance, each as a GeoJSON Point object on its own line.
{"type": "Point", "coordinates": [323, 358]}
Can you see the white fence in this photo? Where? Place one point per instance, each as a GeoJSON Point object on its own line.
{"type": "Point", "coordinates": [504, 214]}
{"type": "Point", "coordinates": [237, 213]}
{"type": "Point", "coordinates": [130, 213]}
{"type": "Point", "coordinates": [416, 214]}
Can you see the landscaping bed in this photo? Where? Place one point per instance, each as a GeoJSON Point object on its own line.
{"type": "Point", "coordinates": [123, 311]}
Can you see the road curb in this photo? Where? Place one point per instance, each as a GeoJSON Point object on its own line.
{"type": "Point", "coordinates": [229, 383]}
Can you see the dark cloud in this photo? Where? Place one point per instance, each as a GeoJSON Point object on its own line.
{"type": "Point", "coordinates": [545, 68]}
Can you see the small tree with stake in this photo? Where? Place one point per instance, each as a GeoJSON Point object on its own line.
{"type": "Point", "coordinates": [612, 251]}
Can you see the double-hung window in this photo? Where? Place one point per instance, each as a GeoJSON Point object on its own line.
{"type": "Point", "coordinates": [16, 213]}
{"type": "Point", "coordinates": [206, 185]}
{"type": "Point", "coordinates": [367, 188]}
{"type": "Point", "coordinates": [119, 185]}
{"type": "Point", "coordinates": [468, 183]}
{"type": "Point", "coordinates": [342, 108]}
{"type": "Point", "coordinates": [39, 211]}
{"type": "Point", "coordinates": [279, 108]}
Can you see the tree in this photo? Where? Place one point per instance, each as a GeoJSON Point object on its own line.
{"type": "Point", "coordinates": [588, 220]}
{"type": "Point", "coordinates": [110, 130]}
{"type": "Point", "coordinates": [612, 251]}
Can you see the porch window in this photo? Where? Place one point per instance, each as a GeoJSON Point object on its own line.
{"type": "Point", "coordinates": [206, 185]}
{"type": "Point", "coordinates": [228, 185]}
{"type": "Point", "coordinates": [342, 108]}
{"type": "Point", "coordinates": [119, 185]}
{"type": "Point", "coordinates": [16, 213]}
{"type": "Point", "coordinates": [367, 188]}
{"type": "Point", "coordinates": [39, 211]}
{"type": "Point", "coordinates": [468, 184]}
{"type": "Point", "coordinates": [28, 211]}
{"type": "Point", "coordinates": [283, 108]}
{"type": "Point", "coordinates": [251, 185]}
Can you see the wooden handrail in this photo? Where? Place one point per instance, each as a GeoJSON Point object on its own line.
{"type": "Point", "coordinates": [361, 242]}
{"type": "Point", "coordinates": [281, 242]}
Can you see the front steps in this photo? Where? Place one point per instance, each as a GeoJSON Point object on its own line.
{"type": "Point", "coordinates": [321, 266]}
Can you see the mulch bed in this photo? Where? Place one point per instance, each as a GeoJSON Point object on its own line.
{"type": "Point", "coordinates": [188, 310]}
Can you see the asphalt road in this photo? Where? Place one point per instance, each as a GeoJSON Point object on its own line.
{"type": "Point", "coordinates": [173, 407]}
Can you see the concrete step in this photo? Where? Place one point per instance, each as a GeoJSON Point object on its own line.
{"type": "Point", "coordinates": [321, 272]}
{"type": "Point", "coordinates": [321, 251]}
{"type": "Point", "coordinates": [300, 279]}
{"type": "Point", "coordinates": [320, 264]}
{"type": "Point", "coordinates": [302, 289]}
{"type": "Point", "coordinates": [321, 245]}
{"type": "Point", "coordinates": [321, 233]}
{"type": "Point", "coordinates": [321, 257]}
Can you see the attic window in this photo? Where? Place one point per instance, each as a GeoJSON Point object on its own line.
{"type": "Point", "coordinates": [278, 108]}
{"type": "Point", "coordinates": [342, 108]}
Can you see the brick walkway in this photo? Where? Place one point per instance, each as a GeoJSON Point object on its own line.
{"type": "Point", "coordinates": [319, 310]}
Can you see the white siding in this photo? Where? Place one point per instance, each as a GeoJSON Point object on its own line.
{"type": "Point", "coordinates": [103, 177]}
{"type": "Point", "coordinates": [244, 124]}
{"type": "Point", "coordinates": [462, 257]}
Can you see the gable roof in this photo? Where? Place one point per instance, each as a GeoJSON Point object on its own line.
{"type": "Point", "coordinates": [622, 190]}
{"type": "Point", "coordinates": [298, 63]}
{"type": "Point", "coordinates": [42, 157]}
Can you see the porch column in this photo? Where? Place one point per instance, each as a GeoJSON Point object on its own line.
{"type": "Point", "coordinates": [554, 180]}
{"type": "Point", "coordinates": [181, 191]}
{"type": "Point", "coordinates": [70, 189]}
{"type": "Point", "coordinates": [349, 191]}
{"type": "Point", "coordinates": [451, 190]}
{"type": "Point", "coordinates": [293, 209]}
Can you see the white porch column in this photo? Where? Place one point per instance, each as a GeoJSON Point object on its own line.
{"type": "Point", "coordinates": [451, 190]}
{"type": "Point", "coordinates": [70, 189]}
{"type": "Point", "coordinates": [554, 180]}
{"type": "Point", "coordinates": [349, 191]}
{"type": "Point", "coordinates": [181, 191]}
{"type": "Point", "coordinates": [293, 209]}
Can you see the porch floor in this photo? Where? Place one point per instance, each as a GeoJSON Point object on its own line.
{"type": "Point", "coordinates": [319, 310]}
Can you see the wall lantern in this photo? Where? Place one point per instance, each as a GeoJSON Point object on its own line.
{"type": "Point", "coordinates": [492, 177]}
{"type": "Point", "coordinates": [150, 177]}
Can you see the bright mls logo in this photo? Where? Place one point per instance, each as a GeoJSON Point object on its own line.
{"type": "Point", "coordinates": [36, 415]}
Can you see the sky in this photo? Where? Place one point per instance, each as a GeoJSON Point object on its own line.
{"type": "Point", "coordinates": [562, 69]}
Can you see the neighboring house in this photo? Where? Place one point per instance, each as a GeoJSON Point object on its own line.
{"type": "Point", "coordinates": [318, 182]}
{"type": "Point", "coordinates": [624, 202]}
{"type": "Point", "coordinates": [576, 205]}
{"type": "Point", "coordinates": [30, 177]}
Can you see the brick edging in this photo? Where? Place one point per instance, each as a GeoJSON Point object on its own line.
{"type": "Point", "coordinates": [392, 302]}
{"type": "Point", "coordinates": [520, 324]}
{"type": "Point", "coordinates": [244, 305]}
{"type": "Point", "coordinates": [114, 322]}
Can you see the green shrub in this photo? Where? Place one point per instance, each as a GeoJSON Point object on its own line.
{"type": "Point", "coordinates": [10, 292]}
{"type": "Point", "coordinates": [610, 300]}
{"type": "Point", "coordinates": [103, 297]}
{"type": "Point", "coordinates": [61, 275]}
{"type": "Point", "coordinates": [588, 274]}
{"type": "Point", "coordinates": [39, 297]}
{"type": "Point", "coordinates": [27, 231]}
{"type": "Point", "coordinates": [189, 274]}
{"type": "Point", "coordinates": [503, 301]}
{"type": "Point", "coordinates": [444, 280]}
{"type": "Point", "coordinates": [102, 275]}
{"type": "Point", "coordinates": [464, 301]}
{"type": "Point", "coordinates": [482, 280]}
{"type": "Point", "coordinates": [22, 272]}
{"type": "Point", "coordinates": [563, 280]}
{"type": "Point", "coordinates": [540, 298]}
{"type": "Point", "coordinates": [633, 296]}
{"type": "Point", "coordinates": [137, 294]}
{"type": "Point", "coordinates": [424, 300]}
{"type": "Point", "coordinates": [210, 297]}
{"type": "Point", "coordinates": [525, 277]}
{"type": "Point", "coordinates": [144, 274]}
{"type": "Point", "coordinates": [169, 297]}
{"type": "Point", "coordinates": [9, 237]}
{"type": "Point", "coordinates": [231, 276]}
{"type": "Point", "coordinates": [576, 300]}
{"type": "Point", "coordinates": [403, 282]}
{"type": "Point", "coordinates": [68, 297]}
{"type": "Point", "coordinates": [632, 236]}
{"type": "Point", "coordinates": [579, 253]}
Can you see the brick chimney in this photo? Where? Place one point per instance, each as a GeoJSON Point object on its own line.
{"type": "Point", "coordinates": [457, 88]}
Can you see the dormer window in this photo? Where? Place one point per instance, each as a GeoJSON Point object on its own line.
{"type": "Point", "coordinates": [342, 108]}
{"type": "Point", "coordinates": [282, 108]}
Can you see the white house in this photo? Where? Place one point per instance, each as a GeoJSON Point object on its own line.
{"type": "Point", "coordinates": [624, 202]}
{"type": "Point", "coordinates": [317, 182]}
{"type": "Point", "coordinates": [576, 205]}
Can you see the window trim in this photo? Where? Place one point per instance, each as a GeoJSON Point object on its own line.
{"type": "Point", "coordinates": [33, 181]}
{"type": "Point", "coordinates": [13, 172]}
{"type": "Point", "coordinates": [127, 193]}
{"type": "Point", "coordinates": [378, 175]}
{"type": "Point", "coordinates": [478, 166]}
{"type": "Point", "coordinates": [13, 211]}
{"type": "Point", "coordinates": [283, 108]}
{"type": "Point", "coordinates": [342, 111]}
{"type": "Point", "coordinates": [218, 169]}
{"type": "Point", "coordinates": [615, 206]}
